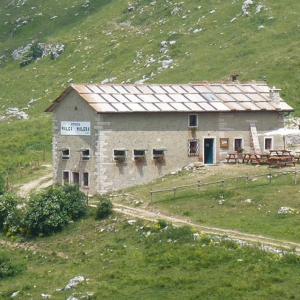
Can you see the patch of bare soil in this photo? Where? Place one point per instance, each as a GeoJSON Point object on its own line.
{"type": "Point", "coordinates": [36, 185]}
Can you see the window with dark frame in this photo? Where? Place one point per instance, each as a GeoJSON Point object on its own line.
{"type": "Point", "coordinates": [66, 177]}
{"type": "Point", "coordinates": [139, 154]}
{"type": "Point", "coordinates": [238, 144]}
{"type": "Point", "coordinates": [119, 155]}
{"type": "Point", "coordinates": [268, 143]}
{"type": "Point", "coordinates": [193, 120]}
{"type": "Point", "coordinates": [65, 153]}
{"type": "Point", "coordinates": [85, 154]}
{"type": "Point", "coordinates": [85, 179]}
{"type": "Point", "coordinates": [193, 147]}
{"type": "Point", "coordinates": [158, 153]}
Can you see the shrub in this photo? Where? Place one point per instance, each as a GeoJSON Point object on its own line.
{"type": "Point", "coordinates": [9, 268]}
{"type": "Point", "coordinates": [74, 201]}
{"type": "Point", "coordinates": [52, 209]}
{"type": "Point", "coordinates": [10, 212]}
{"type": "Point", "coordinates": [2, 184]}
{"type": "Point", "coordinates": [104, 208]}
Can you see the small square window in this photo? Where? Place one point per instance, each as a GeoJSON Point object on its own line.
{"type": "Point", "coordinates": [158, 153]}
{"type": "Point", "coordinates": [193, 120]}
{"type": "Point", "coordinates": [119, 155]}
{"type": "Point", "coordinates": [139, 154]}
{"type": "Point", "coordinates": [193, 147]}
{"type": "Point", "coordinates": [85, 154]}
{"type": "Point", "coordinates": [65, 153]}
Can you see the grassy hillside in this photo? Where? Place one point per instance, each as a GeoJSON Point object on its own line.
{"type": "Point", "coordinates": [122, 258]}
{"type": "Point", "coordinates": [117, 42]}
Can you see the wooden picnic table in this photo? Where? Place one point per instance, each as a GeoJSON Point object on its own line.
{"type": "Point", "coordinates": [232, 157]}
{"type": "Point", "coordinates": [280, 152]}
{"type": "Point", "coordinates": [251, 157]}
{"type": "Point", "coordinates": [281, 161]}
{"type": "Point", "coordinates": [256, 157]}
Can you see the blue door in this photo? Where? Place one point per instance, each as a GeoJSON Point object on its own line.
{"type": "Point", "coordinates": [208, 151]}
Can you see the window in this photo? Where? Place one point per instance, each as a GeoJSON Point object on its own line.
{"type": "Point", "coordinates": [139, 154]}
{"type": "Point", "coordinates": [66, 177]}
{"type": "Point", "coordinates": [85, 154]}
{"type": "Point", "coordinates": [238, 145]}
{"type": "Point", "coordinates": [158, 153]}
{"type": "Point", "coordinates": [119, 155]}
{"type": "Point", "coordinates": [65, 153]}
{"type": "Point", "coordinates": [268, 143]}
{"type": "Point", "coordinates": [193, 120]}
{"type": "Point", "coordinates": [193, 147]}
{"type": "Point", "coordinates": [85, 179]}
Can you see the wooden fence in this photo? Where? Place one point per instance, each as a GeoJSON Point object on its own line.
{"type": "Point", "coordinates": [247, 178]}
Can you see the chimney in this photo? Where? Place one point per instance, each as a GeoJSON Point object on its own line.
{"type": "Point", "coordinates": [234, 77]}
{"type": "Point", "coordinates": [274, 95]}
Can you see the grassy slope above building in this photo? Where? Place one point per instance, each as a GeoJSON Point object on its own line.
{"type": "Point", "coordinates": [106, 40]}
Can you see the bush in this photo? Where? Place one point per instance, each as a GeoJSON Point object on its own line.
{"type": "Point", "coordinates": [2, 184]}
{"type": "Point", "coordinates": [9, 268]}
{"type": "Point", "coordinates": [52, 209]}
{"type": "Point", "coordinates": [10, 213]}
{"type": "Point", "coordinates": [104, 208]}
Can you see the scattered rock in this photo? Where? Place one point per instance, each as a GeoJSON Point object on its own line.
{"type": "Point", "coordinates": [74, 282]}
{"type": "Point", "coordinates": [285, 210]}
{"type": "Point", "coordinates": [15, 294]}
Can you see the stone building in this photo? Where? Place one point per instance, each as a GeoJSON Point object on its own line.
{"type": "Point", "coordinates": [112, 136]}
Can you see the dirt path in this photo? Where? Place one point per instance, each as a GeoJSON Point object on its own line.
{"type": "Point", "coordinates": [153, 216]}
{"type": "Point", "coordinates": [38, 184]}
{"type": "Point", "coordinates": [233, 234]}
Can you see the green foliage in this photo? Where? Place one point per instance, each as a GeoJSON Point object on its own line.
{"type": "Point", "coordinates": [104, 208]}
{"type": "Point", "coordinates": [34, 53]}
{"type": "Point", "coordinates": [49, 211]}
{"type": "Point", "coordinates": [9, 268]}
{"type": "Point", "coordinates": [2, 184]}
{"type": "Point", "coordinates": [10, 213]}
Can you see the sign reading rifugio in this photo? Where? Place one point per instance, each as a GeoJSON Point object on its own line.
{"type": "Point", "coordinates": [75, 128]}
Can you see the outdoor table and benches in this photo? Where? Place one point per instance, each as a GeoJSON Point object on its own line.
{"type": "Point", "coordinates": [232, 157]}
{"type": "Point", "coordinates": [280, 152]}
{"type": "Point", "coordinates": [255, 157]}
{"type": "Point", "coordinates": [281, 161]}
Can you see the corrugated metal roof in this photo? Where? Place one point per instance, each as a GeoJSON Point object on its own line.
{"type": "Point", "coordinates": [198, 97]}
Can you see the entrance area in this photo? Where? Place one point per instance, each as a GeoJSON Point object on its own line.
{"type": "Point", "coordinates": [209, 151]}
{"type": "Point", "coordinates": [75, 177]}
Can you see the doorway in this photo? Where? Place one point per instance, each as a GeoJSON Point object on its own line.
{"type": "Point", "coordinates": [209, 151]}
{"type": "Point", "coordinates": [75, 177]}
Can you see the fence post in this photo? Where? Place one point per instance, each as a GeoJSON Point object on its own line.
{"type": "Point", "coordinates": [295, 179]}
{"type": "Point", "coordinates": [199, 184]}
{"type": "Point", "coordinates": [174, 192]}
{"type": "Point", "coordinates": [151, 196]}
{"type": "Point", "coordinates": [270, 177]}
{"type": "Point", "coordinates": [247, 179]}
{"type": "Point", "coordinates": [223, 184]}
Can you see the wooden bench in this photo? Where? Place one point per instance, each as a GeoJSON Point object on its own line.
{"type": "Point", "coordinates": [232, 157]}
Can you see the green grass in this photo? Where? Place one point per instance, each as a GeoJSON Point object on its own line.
{"type": "Point", "coordinates": [122, 261]}
{"type": "Point", "coordinates": [226, 208]}
{"type": "Point", "coordinates": [104, 39]}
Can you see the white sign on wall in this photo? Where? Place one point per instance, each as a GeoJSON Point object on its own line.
{"type": "Point", "coordinates": [75, 128]}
